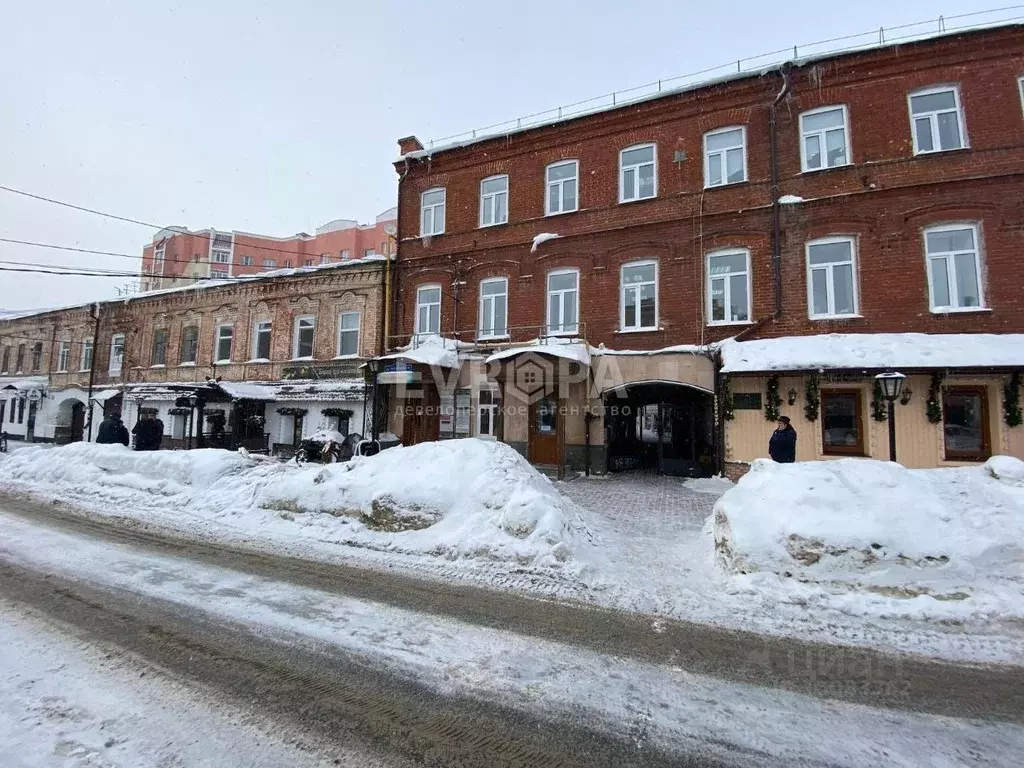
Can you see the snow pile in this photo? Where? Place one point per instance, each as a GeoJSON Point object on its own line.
{"type": "Point", "coordinates": [874, 350]}
{"type": "Point", "coordinates": [790, 199]}
{"type": "Point", "coordinates": [949, 540]}
{"type": "Point", "coordinates": [542, 238]}
{"type": "Point", "coordinates": [430, 350]}
{"type": "Point", "coordinates": [457, 498]}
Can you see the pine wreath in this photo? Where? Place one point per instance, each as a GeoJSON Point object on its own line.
{"type": "Point", "coordinates": [774, 401]}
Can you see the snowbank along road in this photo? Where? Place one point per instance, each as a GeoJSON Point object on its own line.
{"type": "Point", "coordinates": [432, 673]}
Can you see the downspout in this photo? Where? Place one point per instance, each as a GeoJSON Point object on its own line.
{"type": "Point", "coordinates": [92, 365]}
{"type": "Point", "coordinates": [776, 225]}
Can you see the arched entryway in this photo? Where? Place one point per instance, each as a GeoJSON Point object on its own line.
{"type": "Point", "coordinates": [70, 426]}
{"type": "Point", "coordinates": [662, 427]}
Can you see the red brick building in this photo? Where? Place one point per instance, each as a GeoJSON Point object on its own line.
{"type": "Point", "coordinates": [177, 254]}
{"type": "Point", "coordinates": [862, 193]}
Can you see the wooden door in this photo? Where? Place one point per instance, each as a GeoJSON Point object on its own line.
{"type": "Point", "coordinates": [421, 422]}
{"type": "Point", "coordinates": [544, 428]}
{"type": "Point", "coordinates": [77, 422]}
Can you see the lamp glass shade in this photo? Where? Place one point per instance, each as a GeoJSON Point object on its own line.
{"type": "Point", "coordinates": [891, 383]}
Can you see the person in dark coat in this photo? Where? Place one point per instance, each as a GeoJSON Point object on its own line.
{"type": "Point", "coordinates": [112, 430]}
{"type": "Point", "coordinates": [782, 445]}
{"type": "Point", "coordinates": [148, 431]}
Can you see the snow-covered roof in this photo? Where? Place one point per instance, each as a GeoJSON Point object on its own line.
{"type": "Point", "coordinates": [105, 394]}
{"type": "Point", "coordinates": [693, 349]}
{"type": "Point", "coordinates": [758, 67]}
{"type": "Point", "coordinates": [247, 391]}
{"type": "Point", "coordinates": [24, 383]}
{"type": "Point", "coordinates": [430, 350]}
{"type": "Point", "coordinates": [874, 351]}
{"type": "Point", "coordinates": [569, 349]}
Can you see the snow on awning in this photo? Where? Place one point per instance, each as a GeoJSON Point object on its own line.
{"type": "Point", "coordinates": [26, 384]}
{"type": "Point", "coordinates": [103, 395]}
{"type": "Point", "coordinates": [565, 348]}
{"type": "Point", "coordinates": [432, 350]}
{"type": "Point", "coordinates": [247, 391]}
{"type": "Point", "coordinates": [874, 351]}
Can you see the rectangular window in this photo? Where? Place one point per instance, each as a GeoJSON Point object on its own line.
{"type": "Point", "coordinates": [367, 252]}
{"type": "Point", "coordinates": [5, 365]}
{"type": "Point", "coordinates": [728, 287]}
{"type": "Point", "coordinates": [37, 356]}
{"type": "Point", "coordinates": [563, 302]}
{"type": "Point", "coordinates": [487, 414]}
{"type": "Point", "coordinates": [220, 274]}
{"type": "Point", "coordinates": [20, 367]}
{"type": "Point", "coordinates": [116, 354]}
{"type": "Point", "coordinates": [384, 247]}
{"type": "Point", "coordinates": [309, 262]}
{"type": "Point", "coordinates": [159, 352]}
{"type": "Point", "coordinates": [831, 283]}
{"type": "Point", "coordinates": [494, 201]}
{"type": "Point", "coordinates": [428, 309]}
{"type": "Point", "coordinates": [221, 257]}
{"type": "Point", "coordinates": [86, 355]}
{"type": "Point", "coordinates": [638, 173]}
{"type": "Point", "coordinates": [325, 258]}
{"type": "Point", "coordinates": [965, 423]}
{"type": "Point", "coordinates": [562, 183]}
{"type": "Point", "coordinates": [432, 212]}
{"type": "Point", "coordinates": [841, 429]}
{"type": "Point", "coordinates": [261, 340]}
{"type": "Point", "coordinates": [954, 268]}
{"type": "Point", "coordinates": [21, 411]}
{"type": "Point", "coordinates": [824, 138]}
{"type": "Point", "coordinates": [344, 253]}
{"type": "Point", "coordinates": [494, 308]}
{"type": "Point", "coordinates": [63, 353]}
{"type": "Point", "coordinates": [746, 401]}
{"type": "Point", "coordinates": [1020, 87]}
{"type": "Point", "coordinates": [937, 120]}
{"type": "Point", "coordinates": [225, 338]}
{"type": "Point", "coordinates": [189, 345]}
{"type": "Point", "coordinates": [287, 263]}
{"type": "Point", "coordinates": [725, 156]}
{"type": "Point", "coordinates": [158, 260]}
{"type": "Point", "coordinates": [305, 328]}
{"type": "Point", "coordinates": [639, 297]}
{"type": "Point", "coordinates": [247, 261]}
{"type": "Point", "coordinates": [348, 334]}
{"type": "Point", "coordinates": [270, 263]}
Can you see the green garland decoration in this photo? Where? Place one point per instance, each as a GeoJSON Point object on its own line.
{"type": "Point", "coordinates": [812, 397]}
{"type": "Point", "coordinates": [879, 408]}
{"type": "Point", "coordinates": [725, 400]}
{"type": "Point", "coordinates": [773, 401]}
{"type": "Point", "coordinates": [933, 406]}
{"type": "Point", "coordinates": [1012, 415]}
{"type": "Point", "coordinates": [338, 412]}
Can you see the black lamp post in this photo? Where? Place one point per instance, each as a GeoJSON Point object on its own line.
{"type": "Point", "coordinates": [892, 386]}
{"type": "Point", "coordinates": [374, 365]}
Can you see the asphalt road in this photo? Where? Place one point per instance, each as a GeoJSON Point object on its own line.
{"type": "Point", "coordinates": [864, 676]}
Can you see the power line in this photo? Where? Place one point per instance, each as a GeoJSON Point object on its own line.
{"type": "Point", "coordinates": [201, 235]}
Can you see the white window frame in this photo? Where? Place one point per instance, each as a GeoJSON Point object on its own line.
{"type": "Point", "coordinates": [728, 287]}
{"type": "Point", "coordinates": [951, 270]}
{"type": "Point", "coordinates": [217, 359]}
{"type": "Point", "coordinates": [1020, 91]}
{"type": "Point", "coordinates": [561, 303]}
{"type": "Point", "coordinates": [637, 287]}
{"type": "Point", "coordinates": [443, 205]}
{"type": "Point", "coordinates": [483, 312]}
{"type": "Point", "coordinates": [247, 261]}
{"type": "Point", "coordinates": [158, 259]}
{"type": "Point", "coordinates": [295, 336]}
{"type": "Point", "coordinates": [86, 345]}
{"type": "Point", "coordinates": [269, 263]}
{"type": "Point", "coordinates": [830, 279]}
{"type": "Point", "coordinates": [494, 197]}
{"type": "Point", "coordinates": [342, 330]}
{"type": "Point", "coordinates": [491, 408]}
{"type": "Point", "coordinates": [420, 305]}
{"type": "Point", "coordinates": [636, 168]}
{"type": "Point", "coordinates": [804, 135]}
{"type": "Point", "coordinates": [934, 120]}
{"type": "Point", "coordinates": [115, 369]}
{"type": "Point", "coordinates": [723, 152]}
{"type": "Point", "coordinates": [560, 184]}
{"type": "Point", "coordinates": [63, 356]}
{"type": "Point", "coordinates": [257, 329]}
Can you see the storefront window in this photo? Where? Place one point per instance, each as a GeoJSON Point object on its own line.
{"type": "Point", "coordinates": [965, 423]}
{"type": "Point", "coordinates": [842, 431]}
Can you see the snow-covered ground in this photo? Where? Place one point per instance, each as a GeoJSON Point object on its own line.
{"type": "Point", "coordinates": [949, 543]}
{"type": "Point", "coordinates": [66, 702]}
{"type": "Point", "coordinates": [661, 706]}
{"type": "Point", "coordinates": [474, 510]}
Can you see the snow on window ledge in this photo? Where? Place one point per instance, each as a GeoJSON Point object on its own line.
{"type": "Point", "coordinates": [158, 365]}
{"type": "Point", "coordinates": [718, 323]}
{"type": "Point", "coordinates": [187, 365]}
{"type": "Point", "coordinates": [959, 310]}
{"type": "Point", "coordinates": [836, 317]}
{"type": "Point", "coordinates": [353, 356]}
{"type": "Point", "coordinates": [646, 329]}
{"type": "Point", "coordinates": [258, 360]}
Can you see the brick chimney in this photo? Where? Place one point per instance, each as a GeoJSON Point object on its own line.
{"type": "Point", "coordinates": [409, 144]}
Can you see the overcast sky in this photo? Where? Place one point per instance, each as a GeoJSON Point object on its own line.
{"type": "Point", "coordinates": [275, 117]}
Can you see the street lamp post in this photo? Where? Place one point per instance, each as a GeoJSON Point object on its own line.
{"type": "Point", "coordinates": [374, 365]}
{"type": "Point", "coordinates": [891, 383]}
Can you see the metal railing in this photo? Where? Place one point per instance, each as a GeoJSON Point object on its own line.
{"type": "Point", "coordinates": [483, 338]}
{"type": "Point", "coordinates": [845, 44]}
